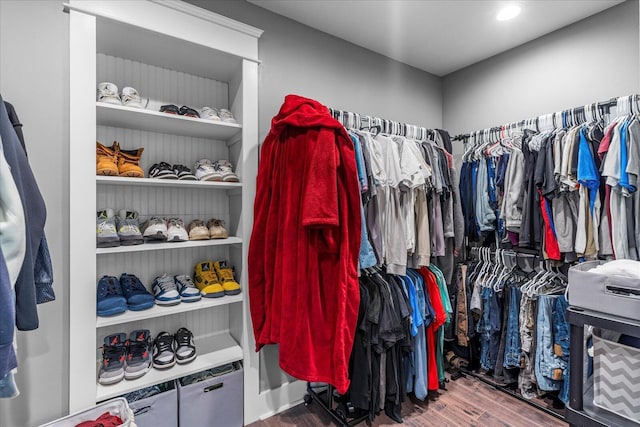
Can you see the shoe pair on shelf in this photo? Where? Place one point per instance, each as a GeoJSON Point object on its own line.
{"type": "Point", "coordinates": [108, 93]}
{"type": "Point", "coordinates": [220, 170]}
{"type": "Point", "coordinates": [125, 358]}
{"type": "Point", "coordinates": [215, 279]}
{"type": "Point", "coordinates": [222, 114]}
{"type": "Point", "coordinates": [171, 349]}
{"type": "Point", "coordinates": [112, 230]}
{"type": "Point", "coordinates": [160, 229]}
{"type": "Point", "coordinates": [172, 290]}
{"type": "Point", "coordinates": [181, 111]}
{"type": "Point", "coordinates": [214, 229]}
{"type": "Point", "coordinates": [164, 170]}
{"type": "Point", "coordinates": [114, 161]}
{"type": "Point", "coordinates": [115, 296]}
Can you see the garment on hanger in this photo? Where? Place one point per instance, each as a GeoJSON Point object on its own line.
{"type": "Point", "coordinates": [303, 254]}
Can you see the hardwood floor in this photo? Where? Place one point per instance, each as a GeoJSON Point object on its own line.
{"type": "Point", "coordinates": [467, 402]}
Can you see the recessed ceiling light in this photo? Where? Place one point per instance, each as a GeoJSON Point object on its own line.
{"type": "Point", "coordinates": [508, 12]}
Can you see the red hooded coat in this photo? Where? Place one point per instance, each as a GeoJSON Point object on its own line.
{"type": "Point", "coordinates": [303, 254]}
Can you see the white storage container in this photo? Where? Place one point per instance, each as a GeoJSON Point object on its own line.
{"type": "Point", "coordinates": [117, 406]}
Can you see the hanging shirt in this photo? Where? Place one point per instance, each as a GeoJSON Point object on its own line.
{"type": "Point", "coordinates": [303, 254]}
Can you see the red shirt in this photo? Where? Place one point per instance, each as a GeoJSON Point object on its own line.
{"type": "Point", "coordinates": [303, 254]}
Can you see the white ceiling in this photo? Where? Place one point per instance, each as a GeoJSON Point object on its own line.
{"type": "Point", "coordinates": [436, 36]}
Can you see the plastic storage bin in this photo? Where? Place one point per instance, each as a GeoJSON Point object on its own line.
{"type": "Point", "coordinates": [616, 378]}
{"type": "Point", "coordinates": [616, 295]}
{"type": "Point", "coordinates": [157, 410]}
{"type": "Point", "coordinates": [216, 402]}
{"type": "Point", "coordinates": [117, 406]}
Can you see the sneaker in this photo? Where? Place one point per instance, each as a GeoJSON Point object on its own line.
{"type": "Point", "coordinates": [185, 348]}
{"type": "Point", "coordinates": [164, 355]}
{"type": "Point", "coordinates": [106, 232]}
{"type": "Point", "coordinates": [138, 354]}
{"type": "Point", "coordinates": [131, 98]}
{"type": "Point", "coordinates": [113, 359]}
{"type": "Point", "coordinates": [225, 273]}
{"type": "Point", "coordinates": [106, 161]}
{"type": "Point", "coordinates": [205, 171]}
{"type": "Point", "coordinates": [187, 289]}
{"type": "Point", "coordinates": [155, 228]}
{"type": "Point", "coordinates": [138, 298]}
{"type": "Point", "coordinates": [207, 280]}
{"type": "Point", "coordinates": [209, 114]}
{"type": "Point", "coordinates": [197, 230]}
{"type": "Point", "coordinates": [216, 229]}
{"type": "Point", "coordinates": [129, 161]}
{"type": "Point", "coordinates": [184, 173]}
{"type": "Point", "coordinates": [188, 112]}
{"type": "Point", "coordinates": [162, 170]}
{"type": "Point", "coordinates": [165, 290]}
{"type": "Point", "coordinates": [226, 171]}
{"type": "Point", "coordinates": [176, 231]}
{"type": "Point", "coordinates": [226, 116]}
{"type": "Point", "coordinates": [109, 297]}
{"type": "Point", "coordinates": [108, 92]}
{"type": "Point", "coordinates": [129, 228]}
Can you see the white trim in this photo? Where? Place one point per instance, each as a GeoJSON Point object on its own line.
{"type": "Point", "coordinates": [199, 12]}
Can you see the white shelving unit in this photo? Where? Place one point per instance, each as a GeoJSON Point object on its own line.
{"type": "Point", "coordinates": [160, 246]}
{"type": "Point", "coordinates": [172, 53]}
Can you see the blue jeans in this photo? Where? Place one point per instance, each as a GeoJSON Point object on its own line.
{"type": "Point", "coordinates": [546, 362]}
{"type": "Point", "coordinates": [8, 387]}
{"type": "Point", "coordinates": [489, 329]}
{"type": "Point", "coordinates": [561, 342]}
{"type": "Point", "coordinates": [512, 350]}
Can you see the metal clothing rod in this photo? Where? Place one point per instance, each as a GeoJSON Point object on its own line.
{"type": "Point", "coordinates": [602, 106]}
{"type": "Point", "coordinates": [351, 120]}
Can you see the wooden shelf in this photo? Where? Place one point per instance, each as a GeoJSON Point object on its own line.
{"type": "Point", "coordinates": [213, 351]}
{"type": "Point", "coordinates": [158, 311]}
{"type": "Point", "coordinates": [155, 182]}
{"type": "Point", "coordinates": [169, 245]}
{"type": "Point", "coordinates": [155, 121]}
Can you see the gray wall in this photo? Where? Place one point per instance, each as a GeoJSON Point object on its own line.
{"type": "Point", "coordinates": [34, 77]}
{"type": "Point", "coordinates": [592, 60]}
{"type": "Point", "coordinates": [298, 59]}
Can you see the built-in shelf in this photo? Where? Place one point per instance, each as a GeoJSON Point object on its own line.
{"type": "Point", "coordinates": [155, 182]}
{"type": "Point", "coordinates": [155, 121]}
{"type": "Point", "coordinates": [169, 245]}
{"type": "Point", "coordinates": [158, 311]}
{"type": "Point", "coordinates": [214, 350]}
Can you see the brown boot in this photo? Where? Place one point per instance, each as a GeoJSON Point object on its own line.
{"type": "Point", "coordinates": [106, 160]}
{"type": "Point", "coordinates": [129, 162]}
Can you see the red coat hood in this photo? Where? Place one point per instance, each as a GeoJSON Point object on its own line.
{"type": "Point", "coordinates": [298, 111]}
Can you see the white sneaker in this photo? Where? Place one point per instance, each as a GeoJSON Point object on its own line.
{"type": "Point", "coordinates": [131, 98]}
{"type": "Point", "coordinates": [187, 289]}
{"type": "Point", "coordinates": [226, 171]}
{"type": "Point", "coordinates": [209, 114]}
{"type": "Point", "coordinates": [226, 116]}
{"type": "Point", "coordinates": [205, 171]}
{"type": "Point", "coordinates": [155, 229]}
{"type": "Point", "coordinates": [165, 290]}
{"type": "Point", "coordinates": [108, 93]}
{"type": "Point", "coordinates": [176, 231]}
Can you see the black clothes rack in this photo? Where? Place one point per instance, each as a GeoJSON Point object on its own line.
{"type": "Point", "coordinates": [603, 106]}
{"type": "Point", "coordinates": [340, 414]}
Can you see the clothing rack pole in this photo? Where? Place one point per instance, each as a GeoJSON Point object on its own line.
{"type": "Point", "coordinates": [602, 104]}
{"type": "Point", "coordinates": [351, 120]}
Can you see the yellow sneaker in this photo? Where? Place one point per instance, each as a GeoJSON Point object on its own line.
{"type": "Point", "coordinates": [231, 287]}
{"type": "Point", "coordinates": [207, 281]}
{"type": "Point", "coordinates": [106, 160]}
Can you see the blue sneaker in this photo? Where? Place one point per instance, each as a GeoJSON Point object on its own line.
{"type": "Point", "coordinates": [165, 290]}
{"type": "Point", "coordinates": [186, 288]}
{"type": "Point", "coordinates": [138, 298]}
{"type": "Point", "coordinates": [113, 359]}
{"type": "Point", "coordinates": [110, 300]}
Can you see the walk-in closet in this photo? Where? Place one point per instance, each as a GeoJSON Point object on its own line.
{"type": "Point", "coordinates": [313, 213]}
